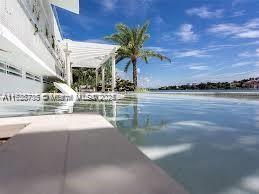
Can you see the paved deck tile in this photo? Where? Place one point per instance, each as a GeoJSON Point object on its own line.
{"type": "Point", "coordinates": [76, 154]}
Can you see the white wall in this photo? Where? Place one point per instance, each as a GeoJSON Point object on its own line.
{"type": "Point", "coordinates": [13, 17]}
{"type": "Point", "coordinates": [13, 84]}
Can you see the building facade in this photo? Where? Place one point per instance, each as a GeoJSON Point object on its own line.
{"type": "Point", "coordinates": [30, 45]}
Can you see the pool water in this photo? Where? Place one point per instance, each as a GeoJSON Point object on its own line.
{"type": "Point", "coordinates": [209, 145]}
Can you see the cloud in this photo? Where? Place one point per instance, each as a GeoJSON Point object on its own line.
{"type": "Point", "coordinates": [109, 5]}
{"type": "Point", "coordinates": [224, 46]}
{"type": "Point", "coordinates": [127, 7]}
{"type": "Point", "coordinates": [245, 54]}
{"type": "Point", "coordinates": [121, 74]}
{"type": "Point", "coordinates": [159, 49]}
{"type": "Point", "coordinates": [158, 20]}
{"type": "Point", "coordinates": [167, 65]}
{"type": "Point", "coordinates": [212, 76]}
{"type": "Point", "coordinates": [138, 70]}
{"type": "Point", "coordinates": [144, 80]}
{"type": "Point", "coordinates": [66, 31]}
{"type": "Point", "coordinates": [204, 12]}
{"type": "Point", "coordinates": [249, 54]}
{"type": "Point", "coordinates": [240, 64]}
{"type": "Point", "coordinates": [191, 53]}
{"type": "Point", "coordinates": [238, 13]}
{"type": "Point", "coordinates": [147, 81]}
{"type": "Point", "coordinates": [249, 34]}
{"type": "Point", "coordinates": [225, 72]}
{"type": "Point", "coordinates": [249, 29]}
{"type": "Point", "coordinates": [168, 36]}
{"type": "Point", "coordinates": [198, 67]}
{"type": "Point", "coordinates": [186, 33]}
{"type": "Point", "coordinates": [238, 2]}
{"type": "Point", "coordinates": [236, 75]}
{"type": "Point", "coordinates": [83, 21]}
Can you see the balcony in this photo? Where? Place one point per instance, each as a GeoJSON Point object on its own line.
{"type": "Point", "coordinates": [42, 18]}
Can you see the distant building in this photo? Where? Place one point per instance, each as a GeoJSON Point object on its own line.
{"type": "Point", "coordinates": [253, 84]}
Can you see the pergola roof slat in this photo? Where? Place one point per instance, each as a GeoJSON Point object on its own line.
{"type": "Point", "coordinates": [91, 55]}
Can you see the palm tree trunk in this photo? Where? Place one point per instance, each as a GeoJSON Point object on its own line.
{"type": "Point", "coordinates": [135, 74]}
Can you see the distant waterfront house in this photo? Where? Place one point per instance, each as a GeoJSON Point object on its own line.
{"type": "Point", "coordinates": [253, 84]}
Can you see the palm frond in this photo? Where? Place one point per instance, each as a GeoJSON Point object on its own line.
{"type": "Point", "coordinates": [124, 51]}
{"type": "Point", "coordinates": [122, 28]}
{"type": "Point", "coordinates": [116, 38]}
{"type": "Point", "coordinates": [144, 58]}
{"type": "Point", "coordinates": [150, 53]}
{"type": "Point", "coordinates": [127, 66]}
{"type": "Point", "coordinates": [142, 35]}
{"type": "Point", "coordinates": [119, 58]}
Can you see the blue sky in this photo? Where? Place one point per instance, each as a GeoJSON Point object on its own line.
{"type": "Point", "coordinates": [208, 40]}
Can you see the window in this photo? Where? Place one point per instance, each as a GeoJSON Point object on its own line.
{"type": "Point", "coordinates": [31, 76]}
{"type": "Point", "coordinates": [45, 81]}
{"type": "Point", "coordinates": [2, 68]}
{"type": "Point", "coordinates": [11, 70]}
{"type": "Point", "coordinates": [37, 79]}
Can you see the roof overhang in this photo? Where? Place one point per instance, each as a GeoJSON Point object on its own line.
{"type": "Point", "coordinates": [70, 5]}
{"type": "Point", "coordinates": [90, 55]}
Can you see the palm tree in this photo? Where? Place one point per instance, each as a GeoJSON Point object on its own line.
{"type": "Point", "coordinates": [131, 41]}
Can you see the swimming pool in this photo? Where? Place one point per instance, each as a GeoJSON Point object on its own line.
{"type": "Point", "coordinates": [209, 145]}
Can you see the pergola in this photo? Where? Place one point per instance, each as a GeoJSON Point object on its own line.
{"type": "Point", "coordinates": [90, 55]}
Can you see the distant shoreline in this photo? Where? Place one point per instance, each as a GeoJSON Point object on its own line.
{"type": "Point", "coordinates": [208, 90]}
{"type": "Point", "coordinates": [220, 93]}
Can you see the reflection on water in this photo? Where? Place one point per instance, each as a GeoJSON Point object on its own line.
{"type": "Point", "coordinates": [209, 145]}
{"type": "Point", "coordinates": [159, 152]}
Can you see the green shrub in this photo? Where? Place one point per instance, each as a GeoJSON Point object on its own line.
{"type": "Point", "coordinates": [141, 90]}
{"type": "Point", "coordinates": [124, 85]}
{"type": "Point", "coordinates": [51, 89]}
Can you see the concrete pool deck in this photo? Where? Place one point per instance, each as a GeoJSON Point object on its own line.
{"type": "Point", "coordinates": [76, 154]}
{"type": "Point", "coordinates": [8, 131]}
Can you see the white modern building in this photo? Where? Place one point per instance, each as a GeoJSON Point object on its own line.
{"type": "Point", "coordinates": [33, 52]}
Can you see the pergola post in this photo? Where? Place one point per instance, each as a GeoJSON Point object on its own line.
{"type": "Point", "coordinates": [103, 78]}
{"type": "Point", "coordinates": [96, 79]}
{"type": "Point", "coordinates": [113, 72]}
{"type": "Point", "coordinates": [114, 111]}
{"type": "Point", "coordinates": [68, 66]}
{"type": "Point", "coordinates": [71, 74]}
